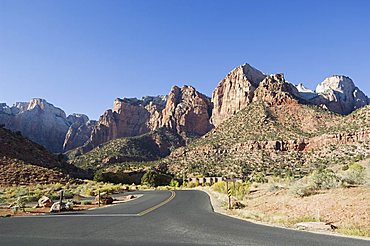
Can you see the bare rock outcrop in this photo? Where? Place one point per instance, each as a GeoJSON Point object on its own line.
{"type": "Point", "coordinates": [234, 92]}
{"type": "Point", "coordinates": [129, 117]}
{"type": "Point", "coordinates": [77, 134]}
{"type": "Point", "coordinates": [274, 90]}
{"type": "Point", "coordinates": [341, 94]}
{"type": "Point", "coordinates": [39, 121]}
{"type": "Point", "coordinates": [337, 93]}
{"type": "Point", "coordinates": [45, 124]}
{"type": "Point", "coordinates": [184, 111]}
{"type": "Point", "coordinates": [187, 112]}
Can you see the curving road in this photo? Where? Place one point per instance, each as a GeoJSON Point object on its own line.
{"type": "Point", "coordinates": [156, 218]}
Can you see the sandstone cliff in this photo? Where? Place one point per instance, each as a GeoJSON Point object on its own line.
{"type": "Point", "coordinates": [337, 93]}
{"type": "Point", "coordinates": [234, 92]}
{"type": "Point", "coordinates": [40, 121]}
{"type": "Point", "coordinates": [187, 112]}
{"type": "Point", "coordinates": [274, 91]}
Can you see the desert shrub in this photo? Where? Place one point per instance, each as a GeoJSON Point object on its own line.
{"type": "Point", "coordinates": [302, 190]}
{"type": "Point", "coordinates": [355, 175]}
{"type": "Point", "coordinates": [259, 177]}
{"type": "Point", "coordinates": [174, 183]}
{"type": "Point", "coordinates": [324, 179]}
{"type": "Point", "coordinates": [220, 187]}
{"type": "Point", "coordinates": [68, 195]}
{"type": "Point", "coordinates": [20, 203]}
{"type": "Point", "coordinates": [241, 188]}
{"type": "Point", "coordinates": [86, 202]}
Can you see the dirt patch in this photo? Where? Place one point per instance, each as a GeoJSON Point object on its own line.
{"type": "Point", "coordinates": [346, 208]}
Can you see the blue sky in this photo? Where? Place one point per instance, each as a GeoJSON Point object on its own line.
{"type": "Point", "coordinates": [81, 55]}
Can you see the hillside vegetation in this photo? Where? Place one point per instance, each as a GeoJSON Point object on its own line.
{"type": "Point", "coordinates": [25, 162]}
{"type": "Point", "coordinates": [287, 140]}
{"type": "Point", "coordinates": [148, 147]}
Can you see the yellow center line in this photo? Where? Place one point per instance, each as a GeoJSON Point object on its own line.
{"type": "Point", "coordinates": [173, 194]}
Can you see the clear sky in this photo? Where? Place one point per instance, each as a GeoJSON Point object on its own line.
{"type": "Point", "coordinates": [81, 55]}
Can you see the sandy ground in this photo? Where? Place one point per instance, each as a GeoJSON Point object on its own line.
{"type": "Point", "coordinates": [345, 208]}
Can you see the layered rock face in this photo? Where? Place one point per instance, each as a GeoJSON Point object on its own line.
{"type": "Point", "coordinates": [341, 94]}
{"type": "Point", "coordinates": [234, 92]}
{"type": "Point", "coordinates": [338, 94]}
{"type": "Point", "coordinates": [129, 117]}
{"type": "Point", "coordinates": [187, 112]}
{"type": "Point", "coordinates": [78, 133]}
{"type": "Point", "coordinates": [39, 121]}
{"type": "Point", "coordinates": [274, 90]}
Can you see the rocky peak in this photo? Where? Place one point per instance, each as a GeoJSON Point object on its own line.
{"type": "Point", "coordinates": [305, 93]}
{"type": "Point", "coordinates": [234, 92]}
{"type": "Point", "coordinates": [339, 94]}
{"type": "Point", "coordinates": [275, 90]}
{"type": "Point", "coordinates": [44, 106]}
{"type": "Point", "coordinates": [187, 112]}
{"type": "Point", "coordinates": [339, 83]}
{"type": "Point", "coordinates": [78, 118]}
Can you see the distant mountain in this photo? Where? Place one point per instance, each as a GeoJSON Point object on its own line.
{"type": "Point", "coordinates": [41, 122]}
{"type": "Point", "coordinates": [189, 114]}
{"type": "Point", "coordinates": [337, 93]}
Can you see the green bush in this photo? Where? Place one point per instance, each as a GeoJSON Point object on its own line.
{"type": "Point", "coordinates": [174, 183]}
{"type": "Point", "coordinates": [355, 175]}
{"type": "Point", "coordinates": [302, 190]}
{"type": "Point", "coordinates": [86, 202]}
{"type": "Point", "coordinates": [241, 188]}
{"type": "Point", "coordinates": [324, 179]}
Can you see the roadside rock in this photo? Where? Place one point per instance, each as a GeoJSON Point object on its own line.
{"type": "Point", "coordinates": [58, 207]}
{"type": "Point", "coordinates": [319, 226]}
{"type": "Point", "coordinates": [45, 202]}
{"type": "Point", "coordinates": [104, 199]}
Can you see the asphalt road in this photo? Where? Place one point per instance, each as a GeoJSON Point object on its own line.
{"type": "Point", "coordinates": [156, 218]}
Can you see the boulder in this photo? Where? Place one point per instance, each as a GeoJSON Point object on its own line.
{"type": "Point", "coordinates": [44, 202]}
{"type": "Point", "coordinates": [237, 205]}
{"type": "Point", "coordinates": [58, 207]}
{"type": "Point", "coordinates": [321, 226]}
{"type": "Point", "coordinates": [104, 199]}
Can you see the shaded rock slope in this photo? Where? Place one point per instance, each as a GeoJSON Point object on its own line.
{"type": "Point", "coordinates": [25, 162]}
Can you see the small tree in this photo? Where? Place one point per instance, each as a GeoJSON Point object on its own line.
{"type": "Point", "coordinates": [150, 178]}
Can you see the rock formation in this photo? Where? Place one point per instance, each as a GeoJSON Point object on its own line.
{"type": "Point", "coordinates": [78, 134]}
{"type": "Point", "coordinates": [40, 121]}
{"type": "Point", "coordinates": [234, 92]}
{"type": "Point", "coordinates": [341, 94]}
{"type": "Point", "coordinates": [336, 93]}
{"type": "Point", "coordinates": [129, 117]}
{"type": "Point", "coordinates": [274, 90]}
{"type": "Point", "coordinates": [187, 112]}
